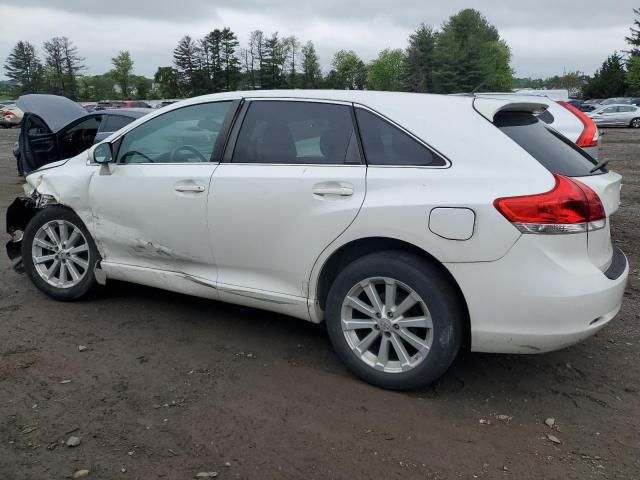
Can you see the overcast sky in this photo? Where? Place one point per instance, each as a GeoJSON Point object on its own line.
{"type": "Point", "coordinates": [546, 36]}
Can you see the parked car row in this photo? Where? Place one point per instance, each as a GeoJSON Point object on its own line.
{"type": "Point", "coordinates": [382, 214]}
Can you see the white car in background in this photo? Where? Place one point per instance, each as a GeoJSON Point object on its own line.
{"type": "Point", "coordinates": [410, 224]}
{"type": "Point", "coordinates": [561, 116]}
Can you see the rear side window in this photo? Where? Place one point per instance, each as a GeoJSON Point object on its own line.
{"type": "Point", "coordinates": [552, 150]}
{"type": "Point", "coordinates": [385, 144]}
{"type": "Point", "coordinates": [113, 123]}
{"type": "Point", "coordinates": [286, 132]}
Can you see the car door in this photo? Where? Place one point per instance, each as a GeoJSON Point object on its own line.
{"type": "Point", "coordinates": [37, 144]}
{"type": "Point", "coordinates": [150, 205]}
{"type": "Point", "coordinates": [291, 182]}
{"type": "Point", "coordinates": [626, 114]}
{"type": "Point", "coordinates": [609, 116]}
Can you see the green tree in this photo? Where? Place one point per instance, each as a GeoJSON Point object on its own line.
{"type": "Point", "coordinates": [229, 63]}
{"type": "Point", "coordinates": [122, 73]}
{"type": "Point", "coordinates": [609, 80]}
{"type": "Point", "coordinates": [386, 71]}
{"type": "Point", "coordinates": [95, 88]}
{"type": "Point", "coordinates": [187, 58]}
{"type": "Point", "coordinates": [633, 76]}
{"type": "Point", "coordinates": [143, 87]}
{"type": "Point", "coordinates": [62, 65]}
{"type": "Point", "coordinates": [634, 37]}
{"type": "Point", "coordinates": [469, 55]}
{"type": "Point", "coordinates": [311, 73]}
{"type": "Point", "coordinates": [349, 71]}
{"type": "Point", "coordinates": [418, 60]}
{"type": "Point", "coordinates": [498, 75]}
{"type": "Point", "coordinates": [273, 62]}
{"type": "Point", "coordinates": [166, 79]}
{"type": "Point", "coordinates": [292, 50]}
{"type": "Point", "coordinates": [24, 69]}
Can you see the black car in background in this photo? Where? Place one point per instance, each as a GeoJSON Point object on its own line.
{"type": "Point", "coordinates": [56, 128]}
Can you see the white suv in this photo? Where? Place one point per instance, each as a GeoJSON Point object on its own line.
{"type": "Point", "coordinates": [410, 224]}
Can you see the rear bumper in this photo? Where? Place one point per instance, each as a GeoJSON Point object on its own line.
{"type": "Point", "coordinates": [539, 297]}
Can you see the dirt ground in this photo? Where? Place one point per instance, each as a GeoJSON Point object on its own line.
{"type": "Point", "coordinates": [171, 386]}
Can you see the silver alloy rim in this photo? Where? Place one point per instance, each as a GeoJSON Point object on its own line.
{"type": "Point", "coordinates": [635, 123]}
{"type": "Point", "coordinates": [387, 324]}
{"type": "Point", "coordinates": [60, 254]}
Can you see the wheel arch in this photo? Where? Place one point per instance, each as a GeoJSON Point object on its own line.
{"type": "Point", "coordinates": [358, 248]}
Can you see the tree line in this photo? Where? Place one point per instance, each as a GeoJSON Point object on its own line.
{"type": "Point", "coordinates": [465, 54]}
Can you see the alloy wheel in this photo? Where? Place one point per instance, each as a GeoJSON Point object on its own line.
{"type": "Point", "coordinates": [386, 324]}
{"type": "Point", "coordinates": [635, 123]}
{"type": "Point", "coordinates": [60, 254]}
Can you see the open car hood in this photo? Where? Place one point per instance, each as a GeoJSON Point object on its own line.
{"type": "Point", "coordinates": [54, 110]}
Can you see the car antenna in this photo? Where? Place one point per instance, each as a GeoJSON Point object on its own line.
{"type": "Point", "coordinates": [480, 85]}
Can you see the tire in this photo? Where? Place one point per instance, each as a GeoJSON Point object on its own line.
{"type": "Point", "coordinates": [635, 123]}
{"type": "Point", "coordinates": [77, 259]}
{"type": "Point", "coordinates": [417, 366]}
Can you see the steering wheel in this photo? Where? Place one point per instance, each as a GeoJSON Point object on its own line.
{"type": "Point", "coordinates": [187, 148]}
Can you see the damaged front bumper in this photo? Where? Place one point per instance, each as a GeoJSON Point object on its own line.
{"type": "Point", "coordinates": [19, 214]}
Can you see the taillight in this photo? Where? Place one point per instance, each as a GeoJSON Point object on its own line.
{"type": "Point", "coordinates": [589, 135]}
{"type": "Point", "coordinates": [570, 207]}
{"type": "Point", "coordinates": [8, 114]}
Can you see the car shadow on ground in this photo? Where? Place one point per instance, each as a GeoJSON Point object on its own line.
{"type": "Point", "coordinates": [494, 374]}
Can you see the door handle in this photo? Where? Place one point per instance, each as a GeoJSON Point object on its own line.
{"type": "Point", "coordinates": [333, 188]}
{"type": "Point", "coordinates": [189, 188]}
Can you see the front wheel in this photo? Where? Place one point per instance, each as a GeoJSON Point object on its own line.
{"type": "Point", "coordinates": [59, 254]}
{"type": "Point", "coordinates": [395, 320]}
{"type": "Point", "coordinates": [635, 123]}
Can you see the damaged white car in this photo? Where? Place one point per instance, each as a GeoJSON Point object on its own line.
{"type": "Point", "coordinates": [411, 224]}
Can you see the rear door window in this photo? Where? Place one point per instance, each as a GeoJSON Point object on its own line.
{"type": "Point", "coordinates": [386, 144]}
{"type": "Point", "coordinates": [297, 133]}
{"type": "Point", "coordinates": [552, 150]}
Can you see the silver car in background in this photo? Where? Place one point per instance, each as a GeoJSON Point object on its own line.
{"type": "Point", "coordinates": [616, 116]}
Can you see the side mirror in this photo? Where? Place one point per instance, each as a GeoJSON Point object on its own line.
{"type": "Point", "coordinates": [103, 153]}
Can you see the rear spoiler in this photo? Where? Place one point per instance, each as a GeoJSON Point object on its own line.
{"type": "Point", "coordinates": [490, 107]}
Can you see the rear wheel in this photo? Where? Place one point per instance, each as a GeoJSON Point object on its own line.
{"type": "Point", "coordinates": [59, 254]}
{"type": "Point", "coordinates": [395, 320]}
{"type": "Point", "coordinates": [635, 123]}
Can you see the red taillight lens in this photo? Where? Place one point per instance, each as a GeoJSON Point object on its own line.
{"type": "Point", "coordinates": [589, 135]}
{"type": "Point", "coordinates": [570, 207]}
{"type": "Point", "coordinates": [8, 114]}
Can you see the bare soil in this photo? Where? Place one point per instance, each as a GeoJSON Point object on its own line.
{"type": "Point", "coordinates": [170, 386]}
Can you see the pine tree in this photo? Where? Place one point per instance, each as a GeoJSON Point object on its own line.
{"type": "Point", "coordinates": [187, 58]}
{"type": "Point", "coordinates": [229, 61]}
{"type": "Point", "coordinates": [609, 80]}
{"type": "Point", "coordinates": [24, 70]}
{"type": "Point", "coordinates": [418, 60]}
{"type": "Point", "coordinates": [469, 55]}
{"type": "Point", "coordinates": [634, 38]}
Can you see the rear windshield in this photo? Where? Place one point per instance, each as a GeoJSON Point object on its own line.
{"type": "Point", "coordinates": [552, 150]}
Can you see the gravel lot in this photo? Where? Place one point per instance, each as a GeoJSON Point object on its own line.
{"type": "Point", "coordinates": [170, 386]}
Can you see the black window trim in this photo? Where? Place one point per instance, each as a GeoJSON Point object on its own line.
{"type": "Point", "coordinates": [222, 135]}
{"type": "Point", "coordinates": [239, 121]}
{"type": "Point", "coordinates": [405, 131]}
